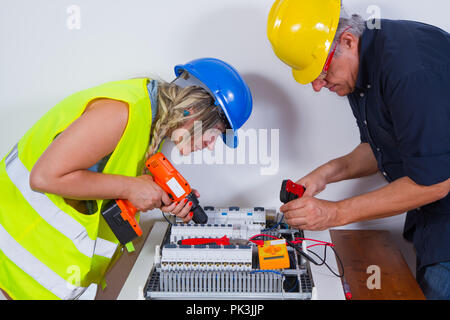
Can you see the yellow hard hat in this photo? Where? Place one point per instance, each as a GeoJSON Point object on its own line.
{"type": "Point", "coordinates": [301, 33]}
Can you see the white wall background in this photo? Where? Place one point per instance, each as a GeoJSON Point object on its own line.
{"type": "Point", "coordinates": [42, 61]}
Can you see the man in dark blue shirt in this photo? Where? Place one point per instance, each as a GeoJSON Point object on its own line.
{"type": "Point", "coordinates": [397, 80]}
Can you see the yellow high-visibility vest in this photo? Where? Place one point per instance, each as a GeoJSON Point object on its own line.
{"type": "Point", "coordinates": [49, 250]}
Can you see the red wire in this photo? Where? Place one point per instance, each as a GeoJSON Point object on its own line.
{"type": "Point", "coordinates": [261, 242]}
{"type": "Point", "coordinates": [297, 240]}
{"type": "Point", "coordinates": [320, 244]}
{"type": "Point", "coordinates": [320, 241]}
{"type": "Point", "coordinates": [265, 235]}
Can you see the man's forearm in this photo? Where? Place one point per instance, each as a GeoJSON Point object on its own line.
{"type": "Point", "coordinates": [397, 197]}
{"type": "Point", "coordinates": [359, 163]}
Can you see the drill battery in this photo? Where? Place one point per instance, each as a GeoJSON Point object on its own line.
{"type": "Point", "coordinates": [121, 219]}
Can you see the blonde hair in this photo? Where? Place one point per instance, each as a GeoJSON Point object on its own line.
{"type": "Point", "coordinates": [172, 102]}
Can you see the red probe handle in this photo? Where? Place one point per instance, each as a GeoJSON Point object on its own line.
{"type": "Point", "coordinates": [294, 188]}
{"type": "Point", "coordinates": [196, 241]}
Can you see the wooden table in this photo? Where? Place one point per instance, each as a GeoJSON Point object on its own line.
{"type": "Point", "coordinates": [363, 252]}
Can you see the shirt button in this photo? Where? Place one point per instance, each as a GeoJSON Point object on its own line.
{"type": "Point", "coordinates": [361, 94]}
{"type": "Point", "coordinates": [365, 122]}
{"type": "Point", "coordinates": [384, 173]}
{"type": "Point", "coordinates": [378, 149]}
{"type": "Point", "coordinates": [369, 86]}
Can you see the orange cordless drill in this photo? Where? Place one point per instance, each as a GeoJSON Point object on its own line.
{"type": "Point", "coordinates": [120, 214]}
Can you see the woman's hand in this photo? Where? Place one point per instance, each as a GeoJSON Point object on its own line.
{"type": "Point", "coordinates": [145, 194]}
{"type": "Point", "coordinates": [181, 209]}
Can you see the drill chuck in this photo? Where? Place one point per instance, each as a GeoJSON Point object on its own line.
{"type": "Point", "coordinates": [199, 216]}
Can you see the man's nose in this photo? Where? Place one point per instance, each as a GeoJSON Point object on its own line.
{"type": "Point", "coordinates": [318, 84]}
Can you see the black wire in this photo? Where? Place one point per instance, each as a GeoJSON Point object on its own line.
{"type": "Point", "coordinates": [166, 218]}
{"type": "Point", "coordinates": [321, 259]}
{"type": "Point", "coordinates": [340, 261]}
{"type": "Point", "coordinates": [337, 256]}
{"type": "Point", "coordinates": [304, 254]}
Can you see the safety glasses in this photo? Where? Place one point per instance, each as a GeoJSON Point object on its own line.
{"type": "Point", "coordinates": [324, 72]}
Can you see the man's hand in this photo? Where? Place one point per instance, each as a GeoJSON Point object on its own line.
{"type": "Point", "coordinates": [308, 213]}
{"type": "Point", "coordinates": [315, 182]}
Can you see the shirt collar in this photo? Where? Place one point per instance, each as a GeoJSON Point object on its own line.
{"type": "Point", "coordinates": [366, 61]}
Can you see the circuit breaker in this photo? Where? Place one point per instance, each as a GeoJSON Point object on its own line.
{"type": "Point", "coordinates": [232, 271]}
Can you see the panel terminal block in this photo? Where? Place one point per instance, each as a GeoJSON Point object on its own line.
{"type": "Point", "coordinates": [235, 215]}
{"type": "Point", "coordinates": [206, 257]}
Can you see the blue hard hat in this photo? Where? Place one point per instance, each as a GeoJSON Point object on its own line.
{"type": "Point", "coordinates": [229, 90]}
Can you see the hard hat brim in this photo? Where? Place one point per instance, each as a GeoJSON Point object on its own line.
{"type": "Point", "coordinates": [309, 74]}
{"type": "Point", "coordinates": [230, 138]}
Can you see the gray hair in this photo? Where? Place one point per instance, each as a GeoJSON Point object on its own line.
{"type": "Point", "coordinates": [355, 24]}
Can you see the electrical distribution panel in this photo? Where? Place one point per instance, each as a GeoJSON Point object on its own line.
{"type": "Point", "coordinates": [231, 271]}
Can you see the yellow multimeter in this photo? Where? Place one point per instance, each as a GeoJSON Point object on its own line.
{"type": "Point", "coordinates": [273, 255]}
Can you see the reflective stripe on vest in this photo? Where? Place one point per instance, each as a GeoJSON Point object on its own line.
{"type": "Point", "coordinates": [36, 269]}
{"type": "Point", "coordinates": [54, 216]}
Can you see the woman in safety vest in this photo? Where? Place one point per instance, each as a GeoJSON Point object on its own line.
{"type": "Point", "coordinates": [91, 147]}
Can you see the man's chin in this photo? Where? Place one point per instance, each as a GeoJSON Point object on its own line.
{"type": "Point", "coordinates": [348, 91]}
{"type": "Point", "coordinates": [343, 92]}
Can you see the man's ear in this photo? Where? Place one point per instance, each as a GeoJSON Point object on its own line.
{"type": "Point", "coordinates": [349, 42]}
